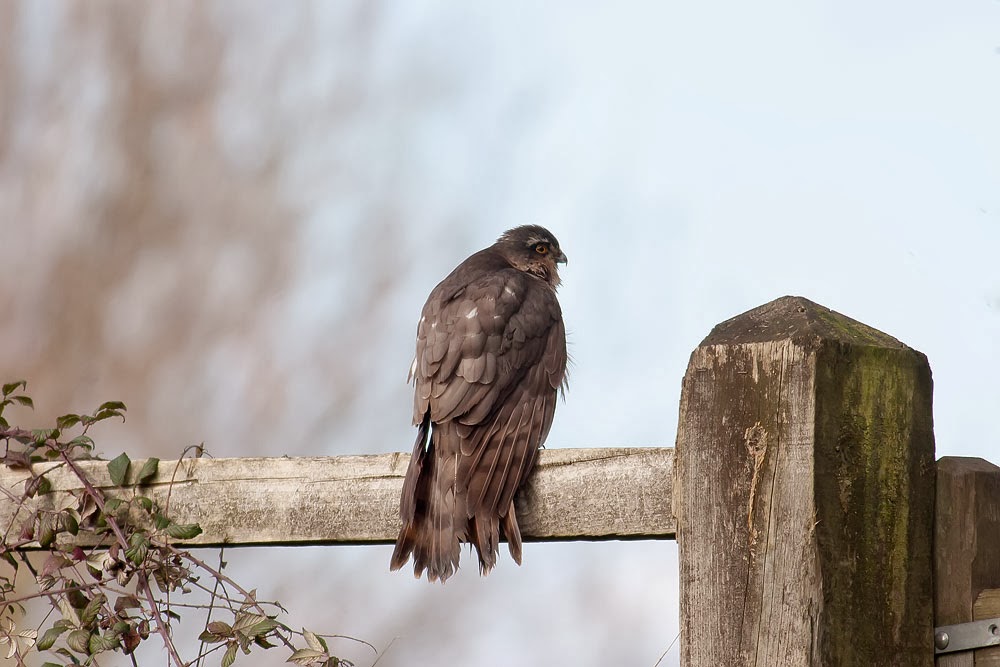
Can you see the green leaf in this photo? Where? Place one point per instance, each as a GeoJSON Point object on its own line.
{"type": "Point", "coordinates": [40, 435]}
{"type": "Point", "coordinates": [62, 625]}
{"type": "Point", "coordinates": [208, 638]}
{"type": "Point", "coordinates": [183, 531]}
{"type": "Point", "coordinates": [111, 505]}
{"type": "Point", "coordinates": [93, 608]}
{"type": "Point", "coordinates": [69, 523]}
{"type": "Point", "coordinates": [106, 411]}
{"type": "Point", "coordinates": [46, 532]}
{"type": "Point", "coordinates": [67, 421]}
{"type": "Point", "coordinates": [160, 521]}
{"type": "Point", "coordinates": [230, 656]}
{"type": "Point", "coordinates": [148, 470]}
{"type": "Point", "coordinates": [306, 656]}
{"type": "Point", "coordinates": [37, 485]}
{"type": "Point", "coordinates": [105, 414]}
{"type": "Point", "coordinates": [245, 621]}
{"type": "Point", "coordinates": [262, 628]}
{"type": "Point", "coordinates": [49, 638]}
{"type": "Point", "coordinates": [118, 469]}
{"type": "Point", "coordinates": [145, 503]}
{"type": "Point", "coordinates": [84, 441]}
{"type": "Point", "coordinates": [45, 582]}
{"type": "Point", "coordinates": [70, 615]}
{"type": "Point", "coordinates": [77, 599]}
{"type": "Point", "coordinates": [217, 631]}
{"type": "Point", "coordinates": [139, 547]}
{"type": "Point", "coordinates": [220, 628]}
{"type": "Point", "coordinates": [100, 643]}
{"type": "Point", "coordinates": [11, 387]}
{"type": "Point", "coordinates": [23, 400]}
{"type": "Point", "coordinates": [314, 642]}
{"type": "Point", "coordinates": [50, 664]}
{"type": "Point", "coordinates": [79, 641]}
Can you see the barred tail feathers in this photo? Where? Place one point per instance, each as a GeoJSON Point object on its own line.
{"type": "Point", "coordinates": [434, 521]}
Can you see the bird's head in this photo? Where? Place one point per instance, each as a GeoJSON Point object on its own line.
{"type": "Point", "coordinates": [532, 249]}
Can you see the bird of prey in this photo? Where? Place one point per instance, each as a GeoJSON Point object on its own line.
{"type": "Point", "coordinates": [490, 361]}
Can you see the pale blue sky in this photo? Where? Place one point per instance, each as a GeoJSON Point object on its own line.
{"type": "Point", "coordinates": [695, 160]}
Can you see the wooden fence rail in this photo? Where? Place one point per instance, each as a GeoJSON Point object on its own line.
{"type": "Point", "coordinates": [588, 494]}
{"type": "Point", "coordinates": [811, 528]}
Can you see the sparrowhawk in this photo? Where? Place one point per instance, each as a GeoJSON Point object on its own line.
{"type": "Point", "coordinates": [490, 361]}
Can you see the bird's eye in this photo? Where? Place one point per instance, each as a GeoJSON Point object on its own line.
{"type": "Point", "coordinates": [542, 249]}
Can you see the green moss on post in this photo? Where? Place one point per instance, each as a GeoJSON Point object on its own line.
{"type": "Point", "coordinates": [875, 453]}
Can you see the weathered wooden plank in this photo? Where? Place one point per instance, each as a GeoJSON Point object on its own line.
{"type": "Point", "coordinates": [987, 605]}
{"type": "Point", "coordinates": [614, 493]}
{"type": "Point", "coordinates": [966, 547]}
{"type": "Point", "coordinates": [804, 494]}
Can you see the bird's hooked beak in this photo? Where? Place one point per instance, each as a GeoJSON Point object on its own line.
{"type": "Point", "coordinates": [561, 258]}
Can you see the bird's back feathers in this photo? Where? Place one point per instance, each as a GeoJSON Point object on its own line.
{"type": "Point", "coordinates": [490, 357]}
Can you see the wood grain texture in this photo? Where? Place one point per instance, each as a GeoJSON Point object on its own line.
{"type": "Point", "coordinates": [613, 493]}
{"type": "Point", "coordinates": [966, 548]}
{"type": "Point", "coordinates": [804, 494]}
{"type": "Point", "coordinates": [987, 605]}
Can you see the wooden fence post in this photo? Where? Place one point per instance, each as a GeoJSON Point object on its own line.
{"type": "Point", "coordinates": [804, 494]}
{"type": "Point", "coordinates": [967, 551]}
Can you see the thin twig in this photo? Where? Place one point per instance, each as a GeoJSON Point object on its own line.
{"type": "Point", "coordinates": [387, 647]}
{"type": "Point", "coordinates": [668, 650]}
{"type": "Point", "coordinates": [143, 584]}
{"type": "Point", "coordinates": [173, 475]}
{"type": "Point", "coordinates": [211, 605]}
{"type": "Point", "coordinates": [222, 577]}
{"type": "Point", "coordinates": [81, 586]}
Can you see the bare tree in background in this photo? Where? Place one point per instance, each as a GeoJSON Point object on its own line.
{"type": "Point", "coordinates": [139, 247]}
{"type": "Point", "coordinates": [151, 193]}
